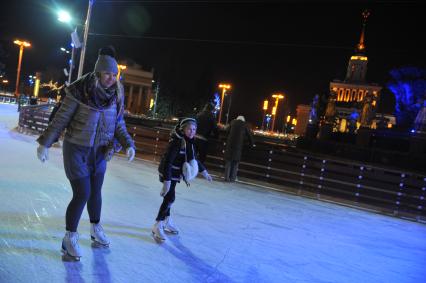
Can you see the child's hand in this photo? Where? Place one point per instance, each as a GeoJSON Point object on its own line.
{"type": "Point", "coordinates": [206, 176]}
{"type": "Point", "coordinates": [165, 189]}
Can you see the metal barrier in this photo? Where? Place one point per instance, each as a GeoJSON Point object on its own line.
{"type": "Point", "coordinates": [7, 99]}
{"type": "Point", "coordinates": [34, 118]}
{"type": "Point", "coordinates": [393, 192]}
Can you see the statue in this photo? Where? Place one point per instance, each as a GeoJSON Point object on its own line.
{"type": "Point", "coordinates": [367, 108]}
{"type": "Point", "coordinates": [330, 111]}
{"type": "Point", "coordinates": [313, 114]}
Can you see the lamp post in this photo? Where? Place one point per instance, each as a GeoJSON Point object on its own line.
{"type": "Point", "coordinates": [65, 17]}
{"type": "Point", "coordinates": [120, 68]}
{"type": "Point", "coordinates": [224, 87]}
{"type": "Point", "coordinates": [86, 33]}
{"type": "Point", "coordinates": [21, 44]}
{"type": "Point", "coordinates": [277, 97]}
{"type": "Point", "coordinates": [265, 108]}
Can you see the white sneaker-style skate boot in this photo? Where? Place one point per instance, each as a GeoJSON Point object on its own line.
{"type": "Point", "coordinates": [70, 246]}
{"type": "Point", "coordinates": [169, 226]}
{"type": "Point", "coordinates": [97, 234]}
{"type": "Point", "coordinates": [157, 231]}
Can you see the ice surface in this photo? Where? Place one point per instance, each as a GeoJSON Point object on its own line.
{"type": "Point", "coordinates": [229, 232]}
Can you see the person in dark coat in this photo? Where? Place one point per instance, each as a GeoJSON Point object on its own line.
{"type": "Point", "coordinates": [207, 127]}
{"type": "Point", "coordinates": [179, 161]}
{"type": "Point", "coordinates": [91, 114]}
{"type": "Point", "coordinates": [237, 131]}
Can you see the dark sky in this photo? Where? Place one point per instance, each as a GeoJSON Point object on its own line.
{"type": "Point", "coordinates": [259, 47]}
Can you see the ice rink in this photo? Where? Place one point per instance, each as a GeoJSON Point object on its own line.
{"type": "Point", "coordinates": [229, 232]}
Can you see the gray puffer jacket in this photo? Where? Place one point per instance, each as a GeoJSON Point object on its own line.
{"type": "Point", "coordinates": [85, 125]}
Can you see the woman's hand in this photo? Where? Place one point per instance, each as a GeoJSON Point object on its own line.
{"type": "Point", "coordinates": [42, 153]}
{"type": "Point", "coordinates": [166, 188]}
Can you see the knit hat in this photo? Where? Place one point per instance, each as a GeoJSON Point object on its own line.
{"type": "Point", "coordinates": [186, 121]}
{"type": "Point", "coordinates": [106, 60]}
{"type": "Point", "coordinates": [241, 118]}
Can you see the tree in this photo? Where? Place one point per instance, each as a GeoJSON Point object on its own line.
{"type": "Point", "coordinates": [409, 87]}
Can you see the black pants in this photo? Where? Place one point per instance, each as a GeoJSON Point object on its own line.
{"type": "Point", "coordinates": [85, 190]}
{"type": "Point", "coordinates": [202, 148]}
{"type": "Point", "coordinates": [231, 170]}
{"type": "Point", "coordinates": [168, 200]}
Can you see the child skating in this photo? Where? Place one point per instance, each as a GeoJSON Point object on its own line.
{"type": "Point", "coordinates": [178, 162]}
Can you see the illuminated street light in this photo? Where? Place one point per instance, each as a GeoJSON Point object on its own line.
{"type": "Point", "coordinates": [265, 108]}
{"type": "Point", "coordinates": [64, 16]}
{"type": "Point", "coordinates": [64, 50]}
{"type": "Point", "coordinates": [21, 44]}
{"type": "Point", "coordinates": [224, 87]}
{"type": "Point", "coordinates": [120, 68]}
{"type": "Point", "coordinates": [277, 97]}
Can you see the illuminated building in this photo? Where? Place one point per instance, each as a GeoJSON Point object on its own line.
{"type": "Point", "coordinates": [355, 92]}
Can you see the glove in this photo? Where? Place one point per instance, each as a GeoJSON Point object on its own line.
{"type": "Point", "coordinates": [166, 188]}
{"type": "Point", "coordinates": [206, 175]}
{"type": "Point", "coordinates": [130, 152]}
{"type": "Point", "coordinates": [42, 153]}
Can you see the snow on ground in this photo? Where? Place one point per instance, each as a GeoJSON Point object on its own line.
{"type": "Point", "coordinates": [229, 232]}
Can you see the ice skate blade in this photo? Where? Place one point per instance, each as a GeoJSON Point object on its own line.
{"type": "Point", "coordinates": [157, 238]}
{"type": "Point", "coordinates": [67, 257]}
{"type": "Point", "coordinates": [96, 244]}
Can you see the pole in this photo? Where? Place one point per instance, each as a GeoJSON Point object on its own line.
{"type": "Point", "coordinates": [71, 64]}
{"type": "Point", "coordinates": [229, 107]}
{"type": "Point", "coordinates": [263, 119]}
{"type": "Point", "coordinates": [221, 104]}
{"type": "Point", "coordinates": [21, 52]}
{"type": "Point", "coordinates": [86, 33]}
{"type": "Point", "coordinates": [156, 97]}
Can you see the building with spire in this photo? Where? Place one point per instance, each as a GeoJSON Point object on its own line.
{"type": "Point", "coordinates": [356, 99]}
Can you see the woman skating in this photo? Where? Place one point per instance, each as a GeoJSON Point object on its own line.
{"type": "Point", "coordinates": [92, 115]}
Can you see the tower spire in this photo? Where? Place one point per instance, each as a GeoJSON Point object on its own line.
{"type": "Point", "coordinates": [360, 48]}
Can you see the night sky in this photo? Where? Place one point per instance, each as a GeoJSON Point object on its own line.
{"type": "Point", "coordinates": [259, 47]}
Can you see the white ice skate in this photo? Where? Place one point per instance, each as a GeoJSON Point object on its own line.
{"type": "Point", "coordinates": [70, 246]}
{"type": "Point", "coordinates": [169, 226]}
{"type": "Point", "coordinates": [157, 231]}
{"type": "Point", "coordinates": [97, 235]}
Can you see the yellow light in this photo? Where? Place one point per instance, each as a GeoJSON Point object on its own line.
{"type": "Point", "coordinates": [288, 118]}
{"type": "Point", "coordinates": [36, 87]}
{"type": "Point", "coordinates": [274, 110]}
{"type": "Point", "coordinates": [151, 103]}
{"type": "Point", "coordinates": [5, 81]}
{"type": "Point", "coordinates": [265, 105]}
{"type": "Point", "coordinates": [122, 67]}
{"type": "Point", "coordinates": [294, 121]}
{"type": "Point", "coordinates": [22, 43]}
{"type": "Point", "coordinates": [278, 96]}
{"type": "Point", "coordinates": [374, 103]}
{"type": "Point", "coordinates": [362, 58]}
{"type": "Point", "coordinates": [225, 86]}
{"type": "Point", "coordinates": [342, 127]}
{"type": "Point", "coordinates": [389, 125]}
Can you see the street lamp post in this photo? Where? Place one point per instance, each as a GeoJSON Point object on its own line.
{"type": "Point", "coordinates": [265, 108]}
{"type": "Point", "coordinates": [120, 68]}
{"type": "Point", "coordinates": [224, 87]}
{"type": "Point", "coordinates": [277, 97]}
{"type": "Point", "coordinates": [84, 45]}
{"type": "Point", "coordinates": [21, 44]}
